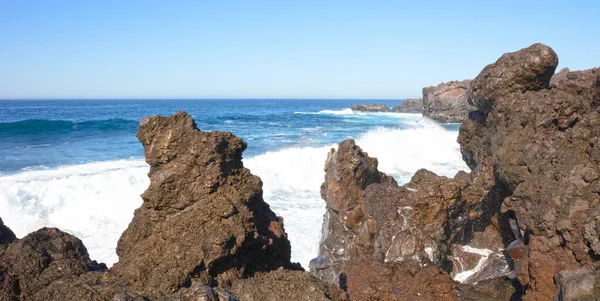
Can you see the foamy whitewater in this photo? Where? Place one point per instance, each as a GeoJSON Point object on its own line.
{"type": "Point", "coordinates": [87, 181]}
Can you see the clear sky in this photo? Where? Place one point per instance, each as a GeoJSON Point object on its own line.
{"type": "Point", "coordinates": [274, 49]}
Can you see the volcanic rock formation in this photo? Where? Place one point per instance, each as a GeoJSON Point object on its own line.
{"type": "Point", "coordinates": [370, 108]}
{"type": "Point", "coordinates": [542, 145]}
{"type": "Point", "coordinates": [414, 106]}
{"type": "Point", "coordinates": [447, 102]}
{"type": "Point", "coordinates": [202, 229]}
{"type": "Point", "coordinates": [524, 223]}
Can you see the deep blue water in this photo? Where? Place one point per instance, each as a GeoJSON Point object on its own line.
{"type": "Point", "coordinates": [49, 133]}
{"type": "Point", "coordinates": [77, 165]}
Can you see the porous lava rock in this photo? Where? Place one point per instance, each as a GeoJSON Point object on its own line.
{"type": "Point", "coordinates": [541, 144]}
{"type": "Point", "coordinates": [371, 220]}
{"type": "Point", "coordinates": [446, 102]}
{"type": "Point", "coordinates": [203, 226]}
{"type": "Point", "coordinates": [287, 285]}
{"type": "Point", "coordinates": [203, 217]}
{"type": "Point", "coordinates": [535, 67]}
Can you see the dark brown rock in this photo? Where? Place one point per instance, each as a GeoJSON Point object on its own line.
{"type": "Point", "coordinates": [529, 69]}
{"type": "Point", "coordinates": [542, 146]}
{"type": "Point", "coordinates": [203, 218]}
{"type": "Point", "coordinates": [414, 106]}
{"type": "Point", "coordinates": [372, 280]}
{"type": "Point", "coordinates": [6, 236]}
{"type": "Point", "coordinates": [34, 264]}
{"type": "Point", "coordinates": [370, 108]}
{"type": "Point", "coordinates": [447, 102]}
{"type": "Point", "coordinates": [286, 285]}
{"type": "Point", "coordinates": [370, 217]}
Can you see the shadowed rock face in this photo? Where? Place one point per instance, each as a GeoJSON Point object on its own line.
{"type": "Point", "coordinates": [203, 217]}
{"type": "Point", "coordinates": [6, 236]}
{"type": "Point", "coordinates": [446, 102]}
{"type": "Point", "coordinates": [542, 145]}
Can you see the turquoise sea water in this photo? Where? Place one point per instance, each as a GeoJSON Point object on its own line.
{"type": "Point", "coordinates": [77, 165]}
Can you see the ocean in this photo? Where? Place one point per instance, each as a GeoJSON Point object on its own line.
{"type": "Point", "coordinates": [77, 165]}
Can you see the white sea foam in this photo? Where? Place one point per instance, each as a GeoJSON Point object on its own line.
{"type": "Point", "coordinates": [351, 113]}
{"type": "Point", "coordinates": [96, 201]}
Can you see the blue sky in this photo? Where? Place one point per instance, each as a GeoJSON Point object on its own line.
{"type": "Point", "coordinates": [274, 49]}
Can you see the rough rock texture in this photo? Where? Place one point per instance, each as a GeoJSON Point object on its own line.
{"type": "Point", "coordinates": [560, 77]}
{"type": "Point", "coordinates": [203, 217]}
{"type": "Point", "coordinates": [202, 226]}
{"type": "Point", "coordinates": [370, 218]}
{"type": "Point", "coordinates": [373, 280]}
{"type": "Point", "coordinates": [409, 106]}
{"type": "Point", "coordinates": [6, 236]}
{"type": "Point", "coordinates": [535, 67]}
{"type": "Point", "coordinates": [371, 108]}
{"type": "Point", "coordinates": [542, 146]}
{"type": "Point", "coordinates": [578, 285]}
{"type": "Point", "coordinates": [33, 265]}
{"type": "Point", "coordinates": [287, 285]}
{"type": "Point", "coordinates": [446, 102]}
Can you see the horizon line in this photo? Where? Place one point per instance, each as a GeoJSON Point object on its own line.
{"type": "Point", "coordinates": [202, 98]}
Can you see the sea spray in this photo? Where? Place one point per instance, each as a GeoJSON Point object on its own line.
{"type": "Point", "coordinates": [96, 201]}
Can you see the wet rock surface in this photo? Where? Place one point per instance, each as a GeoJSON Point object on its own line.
{"type": "Point", "coordinates": [447, 102]}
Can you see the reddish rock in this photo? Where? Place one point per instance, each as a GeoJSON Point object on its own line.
{"type": "Point", "coordinates": [370, 217]}
{"type": "Point", "coordinates": [372, 280]}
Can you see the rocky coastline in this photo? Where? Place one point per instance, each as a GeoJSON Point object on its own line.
{"type": "Point", "coordinates": [523, 224]}
{"type": "Point", "coordinates": [444, 103]}
{"type": "Point", "coordinates": [413, 106]}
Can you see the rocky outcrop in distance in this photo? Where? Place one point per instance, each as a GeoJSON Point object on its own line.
{"type": "Point", "coordinates": [203, 232]}
{"type": "Point", "coordinates": [444, 103]}
{"type": "Point", "coordinates": [447, 102]}
{"type": "Point", "coordinates": [523, 224]}
{"type": "Point", "coordinates": [413, 106]}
